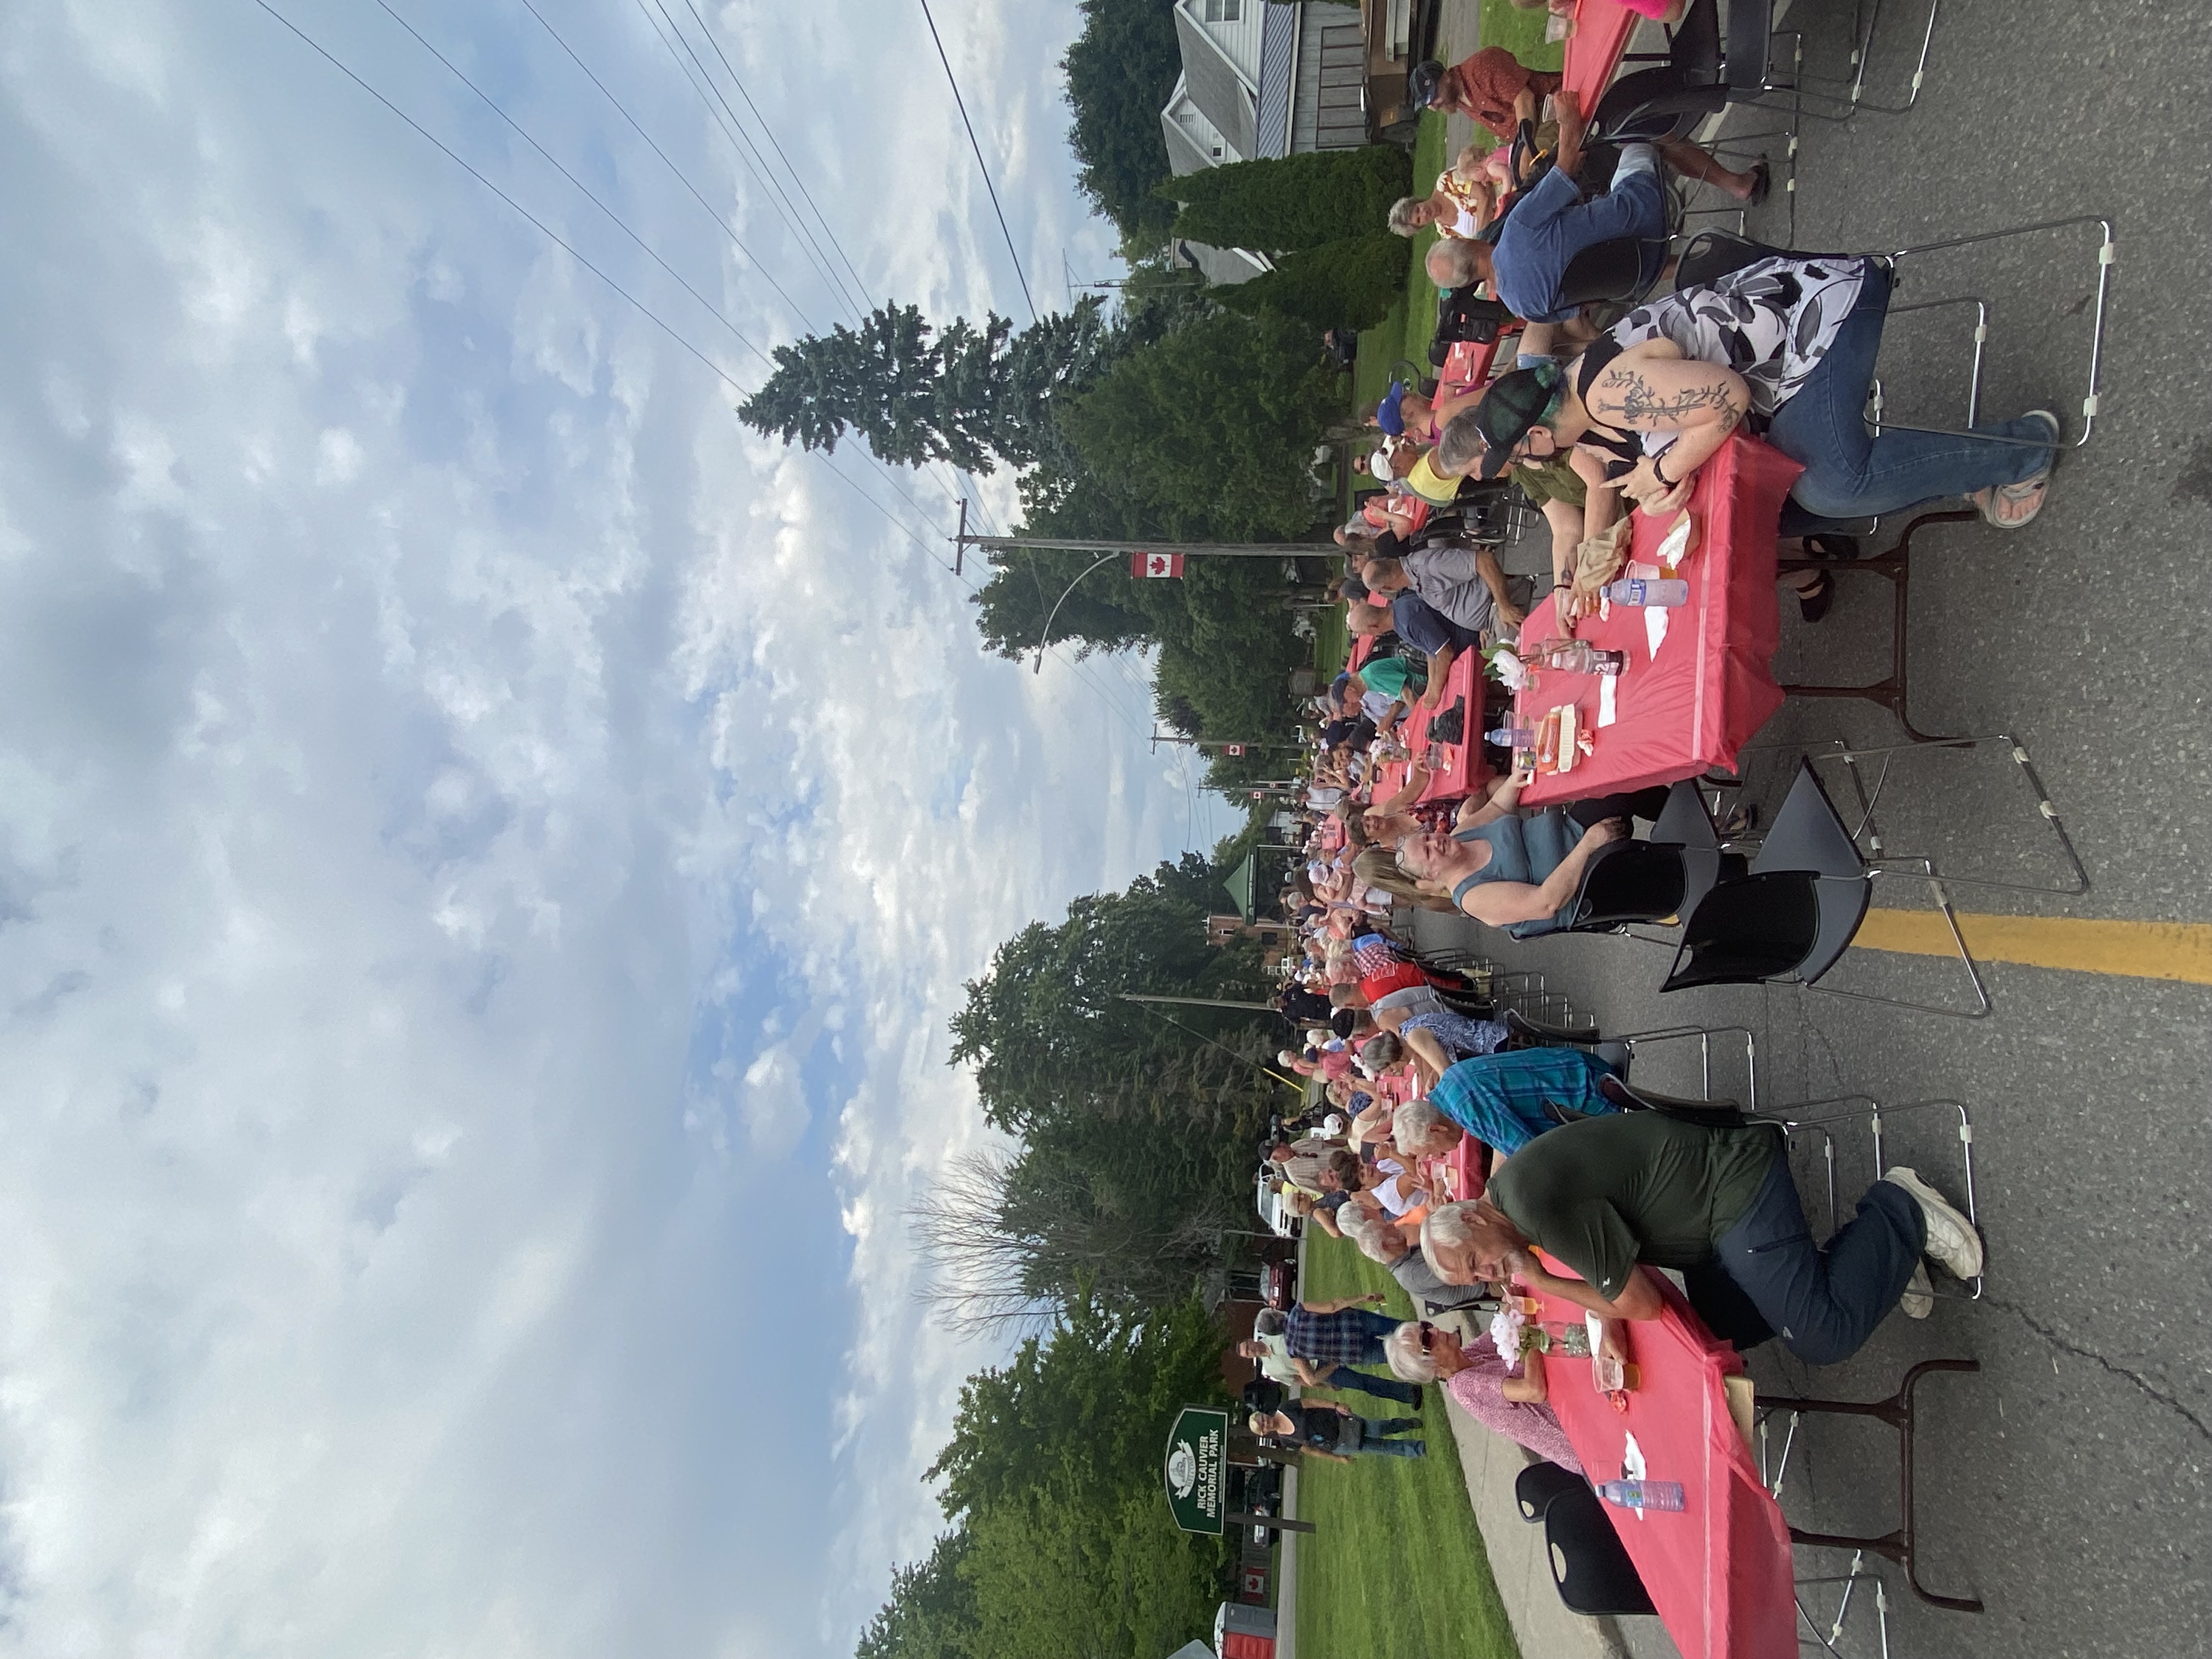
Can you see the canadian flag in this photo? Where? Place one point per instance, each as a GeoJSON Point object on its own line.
{"type": "Point", "coordinates": [1233, 748]}
{"type": "Point", "coordinates": [1156, 564]}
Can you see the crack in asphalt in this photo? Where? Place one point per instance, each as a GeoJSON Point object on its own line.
{"type": "Point", "coordinates": [2096, 1358]}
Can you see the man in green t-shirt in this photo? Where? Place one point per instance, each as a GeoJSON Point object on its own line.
{"type": "Point", "coordinates": [1557, 491]}
{"type": "Point", "coordinates": [1602, 1195]}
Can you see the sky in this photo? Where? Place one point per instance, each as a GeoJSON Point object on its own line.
{"type": "Point", "coordinates": [487, 846]}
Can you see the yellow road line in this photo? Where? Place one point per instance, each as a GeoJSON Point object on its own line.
{"type": "Point", "coordinates": [2140, 949]}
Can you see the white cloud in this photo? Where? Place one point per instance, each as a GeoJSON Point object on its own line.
{"type": "Point", "coordinates": [487, 848]}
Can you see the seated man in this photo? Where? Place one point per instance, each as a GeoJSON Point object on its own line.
{"type": "Point", "coordinates": [1607, 1193]}
{"type": "Point", "coordinates": [1493, 88]}
{"type": "Point", "coordinates": [1503, 1100]}
{"type": "Point", "coordinates": [1466, 586]}
{"type": "Point", "coordinates": [1551, 224]}
{"type": "Point", "coordinates": [1414, 620]}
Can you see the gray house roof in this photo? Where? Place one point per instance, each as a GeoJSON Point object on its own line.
{"type": "Point", "coordinates": [1215, 86]}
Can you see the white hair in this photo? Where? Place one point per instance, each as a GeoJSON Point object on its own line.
{"type": "Point", "coordinates": [1268, 1322]}
{"type": "Point", "coordinates": [1415, 1123]}
{"type": "Point", "coordinates": [1371, 1233]}
{"type": "Point", "coordinates": [1402, 1350]}
{"type": "Point", "coordinates": [1285, 1057]}
{"type": "Point", "coordinates": [1448, 1227]}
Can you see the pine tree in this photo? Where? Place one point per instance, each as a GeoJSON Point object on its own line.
{"type": "Point", "coordinates": [1297, 201]}
{"type": "Point", "coordinates": [968, 394]}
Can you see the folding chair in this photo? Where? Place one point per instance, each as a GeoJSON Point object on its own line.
{"type": "Point", "coordinates": [1712, 254]}
{"type": "Point", "coordinates": [1589, 1564]}
{"type": "Point", "coordinates": [1793, 915]}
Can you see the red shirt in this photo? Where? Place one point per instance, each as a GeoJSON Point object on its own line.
{"type": "Point", "coordinates": [1398, 976]}
{"type": "Point", "coordinates": [1485, 85]}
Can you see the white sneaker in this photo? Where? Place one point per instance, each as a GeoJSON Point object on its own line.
{"type": "Point", "coordinates": [1919, 1298]}
{"type": "Point", "coordinates": [1952, 1241]}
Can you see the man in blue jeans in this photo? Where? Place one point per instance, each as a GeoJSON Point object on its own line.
{"type": "Point", "coordinates": [1550, 223]}
{"type": "Point", "coordinates": [1608, 1193]}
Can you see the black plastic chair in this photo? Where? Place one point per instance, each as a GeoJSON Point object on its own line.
{"type": "Point", "coordinates": [1589, 1563]}
{"type": "Point", "coordinates": [1618, 272]}
{"type": "Point", "coordinates": [1624, 882]}
{"type": "Point", "coordinates": [1547, 1034]}
{"type": "Point", "coordinates": [1668, 100]}
{"type": "Point", "coordinates": [1535, 1487]}
{"type": "Point", "coordinates": [1760, 927]}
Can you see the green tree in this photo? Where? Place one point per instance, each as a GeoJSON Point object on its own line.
{"type": "Point", "coordinates": [1211, 428]}
{"type": "Point", "coordinates": [916, 394]}
{"type": "Point", "coordinates": [1351, 284]}
{"type": "Point", "coordinates": [931, 1611]}
{"type": "Point", "coordinates": [1119, 72]}
{"type": "Point", "coordinates": [1295, 202]}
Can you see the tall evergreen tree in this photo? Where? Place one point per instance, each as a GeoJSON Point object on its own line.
{"type": "Point", "coordinates": [962, 393]}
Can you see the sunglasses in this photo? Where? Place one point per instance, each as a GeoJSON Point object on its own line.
{"type": "Point", "coordinates": [1428, 1337]}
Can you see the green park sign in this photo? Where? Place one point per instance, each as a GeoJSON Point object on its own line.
{"type": "Point", "coordinates": [1197, 1465]}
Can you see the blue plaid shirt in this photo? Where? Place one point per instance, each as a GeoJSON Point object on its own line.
{"type": "Point", "coordinates": [1342, 1337]}
{"type": "Point", "coordinates": [1501, 1099]}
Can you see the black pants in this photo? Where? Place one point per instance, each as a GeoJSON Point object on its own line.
{"type": "Point", "coordinates": [1636, 804]}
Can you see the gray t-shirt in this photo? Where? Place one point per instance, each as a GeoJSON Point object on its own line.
{"type": "Point", "coordinates": [1412, 1271]}
{"type": "Point", "coordinates": [1605, 1192]}
{"type": "Point", "coordinates": [1449, 579]}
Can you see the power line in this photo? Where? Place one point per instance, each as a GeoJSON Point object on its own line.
{"type": "Point", "coordinates": [747, 153]}
{"type": "Point", "coordinates": [645, 310]}
{"type": "Point", "coordinates": [720, 223]}
{"type": "Point", "coordinates": [620, 222]}
{"type": "Point", "coordinates": [552, 235]}
{"type": "Point", "coordinates": [768, 131]}
{"type": "Point", "coordinates": [981, 166]}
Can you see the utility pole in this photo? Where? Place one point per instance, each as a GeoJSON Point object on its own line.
{"type": "Point", "coordinates": [1198, 1002]}
{"type": "Point", "coordinates": [1241, 745]}
{"type": "Point", "coordinates": [1188, 550]}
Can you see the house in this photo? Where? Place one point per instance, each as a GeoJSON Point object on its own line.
{"type": "Point", "coordinates": [1261, 79]}
{"type": "Point", "coordinates": [1266, 78]}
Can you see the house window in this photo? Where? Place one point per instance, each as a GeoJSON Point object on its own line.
{"type": "Point", "coordinates": [1224, 11]}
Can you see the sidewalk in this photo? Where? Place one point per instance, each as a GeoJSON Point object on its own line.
{"type": "Point", "coordinates": [1541, 1624]}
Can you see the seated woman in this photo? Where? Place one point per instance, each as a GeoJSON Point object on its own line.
{"type": "Point", "coordinates": [1476, 1375]}
{"type": "Point", "coordinates": [1434, 1041]}
{"type": "Point", "coordinates": [1464, 201]}
{"type": "Point", "coordinates": [1332, 1431]}
{"type": "Point", "coordinates": [1512, 873]}
{"type": "Point", "coordinates": [1790, 341]}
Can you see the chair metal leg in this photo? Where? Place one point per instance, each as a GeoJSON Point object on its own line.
{"type": "Point", "coordinates": [2106, 254]}
{"type": "Point", "coordinates": [1704, 1036]}
{"type": "Point", "coordinates": [1980, 988]}
{"type": "Point", "coordinates": [1881, 855]}
{"type": "Point", "coordinates": [1856, 99]}
{"type": "Point", "coordinates": [1896, 1410]}
{"type": "Point", "coordinates": [1800, 1117]}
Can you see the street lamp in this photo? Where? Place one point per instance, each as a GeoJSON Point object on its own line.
{"type": "Point", "coordinates": [1038, 666]}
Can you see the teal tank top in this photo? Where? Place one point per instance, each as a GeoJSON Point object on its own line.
{"type": "Point", "coordinates": [1525, 850]}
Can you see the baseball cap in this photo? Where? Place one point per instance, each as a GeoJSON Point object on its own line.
{"type": "Point", "coordinates": [1423, 82]}
{"type": "Point", "coordinates": [1386, 415]}
{"type": "Point", "coordinates": [1378, 465]}
{"type": "Point", "coordinates": [1519, 400]}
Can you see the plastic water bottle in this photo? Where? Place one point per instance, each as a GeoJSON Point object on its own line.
{"type": "Point", "coordinates": [1510, 736]}
{"type": "Point", "coordinates": [1649, 590]}
{"type": "Point", "coordinates": [1642, 1494]}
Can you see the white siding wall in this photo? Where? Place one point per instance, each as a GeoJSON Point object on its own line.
{"type": "Point", "coordinates": [1239, 39]}
{"type": "Point", "coordinates": [1185, 116]}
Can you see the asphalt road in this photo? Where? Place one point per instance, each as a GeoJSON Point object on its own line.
{"type": "Point", "coordinates": [2065, 1484]}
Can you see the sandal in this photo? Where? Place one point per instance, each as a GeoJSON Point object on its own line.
{"type": "Point", "coordinates": [2014, 506]}
{"type": "Point", "coordinates": [1832, 547]}
{"type": "Point", "coordinates": [1762, 180]}
{"type": "Point", "coordinates": [1812, 602]}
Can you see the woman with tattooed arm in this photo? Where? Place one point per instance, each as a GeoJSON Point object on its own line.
{"type": "Point", "coordinates": [1787, 343]}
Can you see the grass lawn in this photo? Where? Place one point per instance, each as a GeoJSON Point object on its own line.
{"type": "Point", "coordinates": [1396, 1570]}
{"type": "Point", "coordinates": [1521, 34]}
{"type": "Point", "coordinates": [1332, 642]}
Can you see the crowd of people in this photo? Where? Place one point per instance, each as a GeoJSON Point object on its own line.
{"type": "Point", "coordinates": [1605, 410]}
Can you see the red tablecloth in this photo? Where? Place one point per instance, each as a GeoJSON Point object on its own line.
{"type": "Point", "coordinates": [1469, 363]}
{"type": "Point", "coordinates": [1463, 766]}
{"type": "Point", "coordinates": [1719, 1571]}
{"type": "Point", "coordinates": [1601, 31]}
{"type": "Point", "coordinates": [1709, 687]}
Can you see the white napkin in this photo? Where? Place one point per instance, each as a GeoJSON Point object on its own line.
{"type": "Point", "coordinates": [1632, 1468]}
{"type": "Point", "coordinates": [1607, 713]}
{"type": "Point", "coordinates": [1654, 616]}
